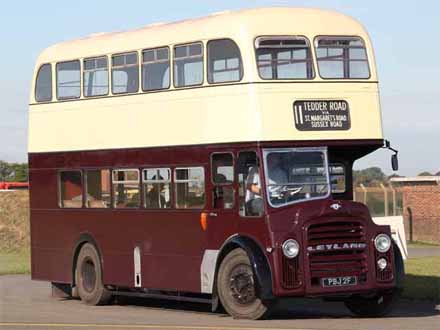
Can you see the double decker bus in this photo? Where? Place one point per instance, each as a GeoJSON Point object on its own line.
{"type": "Point", "coordinates": [210, 160]}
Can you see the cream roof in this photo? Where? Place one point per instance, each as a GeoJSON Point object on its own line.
{"type": "Point", "coordinates": [242, 26]}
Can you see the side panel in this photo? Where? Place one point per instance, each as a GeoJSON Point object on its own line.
{"type": "Point", "coordinates": [246, 112]}
{"type": "Point", "coordinates": [170, 241]}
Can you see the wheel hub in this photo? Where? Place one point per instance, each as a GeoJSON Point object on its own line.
{"type": "Point", "coordinates": [88, 275]}
{"type": "Point", "coordinates": [242, 285]}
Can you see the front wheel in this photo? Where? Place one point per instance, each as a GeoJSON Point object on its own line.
{"type": "Point", "coordinates": [377, 306]}
{"type": "Point", "coordinates": [236, 287]}
{"type": "Point", "coordinates": [89, 277]}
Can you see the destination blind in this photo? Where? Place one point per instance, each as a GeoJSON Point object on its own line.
{"type": "Point", "coordinates": [319, 115]}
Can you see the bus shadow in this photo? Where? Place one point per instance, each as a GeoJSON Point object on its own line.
{"type": "Point", "coordinates": [164, 304]}
{"type": "Point", "coordinates": [314, 308]}
{"type": "Point", "coordinates": [420, 298]}
{"type": "Point", "coordinates": [287, 308]}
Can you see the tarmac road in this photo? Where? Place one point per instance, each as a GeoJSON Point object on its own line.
{"type": "Point", "coordinates": [26, 304]}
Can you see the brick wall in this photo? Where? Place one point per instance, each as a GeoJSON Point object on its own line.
{"type": "Point", "coordinates": [424, 201]}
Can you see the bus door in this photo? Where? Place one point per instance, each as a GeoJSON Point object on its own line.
{"type": "Point", "coordinates": [219, 220]}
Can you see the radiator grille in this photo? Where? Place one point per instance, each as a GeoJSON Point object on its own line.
{"type": "Point", "coordinates": [337, 262]}
{"type": "Point", "coordinates": [291, 275]}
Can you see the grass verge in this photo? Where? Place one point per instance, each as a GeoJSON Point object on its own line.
{"type": "Point", "coordinates": [15, 263]}
{"type": "Point", "coordinates": [417, 244]}
{"type": "Point", "coordinates": [422, 280]}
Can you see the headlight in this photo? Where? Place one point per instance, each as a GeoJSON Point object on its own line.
{"type": "Point", "coordinates": [290, 248]}
{"type": "Point", "coordinates": [382, 242]}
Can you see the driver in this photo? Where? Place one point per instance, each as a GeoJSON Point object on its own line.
{"type": "Point", "coordinates": [276, 174]}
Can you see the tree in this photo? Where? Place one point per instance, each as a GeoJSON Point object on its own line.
{"type": "Point", "coordinates": [425, 173]}
{"type": "Point", "coordinates": [5, 171]}
{"type": "Point", "coordinates": [394, 175]}
{"type": "Point", "coordinates": [20, 172]}
{"type": "Point", "coordinates": [369, 176]}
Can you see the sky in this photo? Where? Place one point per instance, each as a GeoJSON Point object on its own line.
{"type": "Point", "coordinates": [404, 36]}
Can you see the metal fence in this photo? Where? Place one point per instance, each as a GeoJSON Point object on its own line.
{"type": "Point", "coordinates": [382, 201]}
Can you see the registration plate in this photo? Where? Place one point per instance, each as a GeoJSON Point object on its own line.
{"type": "Point", "coordinates": [339, 281]}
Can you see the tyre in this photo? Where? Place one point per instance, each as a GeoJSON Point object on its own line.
{"type": "Point", "coordinates": [236, 287]}
{"type": "Point", "coordinates": [377, 306]}
{"type": "Point", "coordinates": [88, 274]}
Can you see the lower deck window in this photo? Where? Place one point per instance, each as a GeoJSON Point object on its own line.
{"type": "Point", "coordinates": [98, 189]}
{"type": "Point", "coordinates": [157, 188]}
{"type": "Point", "coordinates": [126, 188]}
{"type": "Point", "coordinates": [190, 187]}
{"type": "Point", "coordinates": [70, 189]}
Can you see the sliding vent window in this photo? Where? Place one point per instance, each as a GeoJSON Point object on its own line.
{"type": "Point", "coordinates": [224, 61]}
{"type": "Point", "coordinates": [98, 189]}
{"type": "Point", "coordinates": [190, 187]}
{"type": "Point", "coordinates": [68, 80]}
{"type": "Point", "coordinates": [284, 58]}
{"type": "Point", "coordinates": [157, 188]}
{"type": "Point", "coordinates": [126, 188]}
{"type": "Point", "coordinates": [70, 186]}
{"type": "Point", "coordinates": [155, 69]}
{"type": "Point", "coordinates": [43, 88]}
{"type": "Point", "coordinates": [188, 65]}
{"type": "Point", "coordinates": [342, 58]}
{"type": "Point", "coordinates": [95, 77]}
{"type": "Point", "coordinates": [125, 73]}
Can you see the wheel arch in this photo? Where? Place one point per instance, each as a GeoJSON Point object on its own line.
{"type": "Point", "coordinates": [260, 264]}
{"type": "Point", "coordinates": [83, 239]}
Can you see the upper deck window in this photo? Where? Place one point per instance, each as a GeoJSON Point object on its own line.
{"type": "Point", "coordinates": [95, 79]}
{"type": "Point", "coordinates": [155, 69]}
{"type": "Point", "coordinates": [284, 57]}
{"type": "Point", "coordinates": [224, 61]}
{"type": "Point", "coordinates": [342, 58]}
{"type": "Point", "coordinates": [125, 73]}
{"type": "Point", "coordinates": [68, 80]}
{"type": "Point", "coordinates": [43, 85]}
{"type": "Point", "coordinates": [188, 65]}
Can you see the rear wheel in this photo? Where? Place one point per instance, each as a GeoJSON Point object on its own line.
{"type": "Point", "coordinates": [89, 277]}
{"type": "Point", "coordinates": [236, 287]}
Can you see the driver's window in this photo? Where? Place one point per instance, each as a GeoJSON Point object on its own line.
{"type": "Point", "coordinates": [250, 189]}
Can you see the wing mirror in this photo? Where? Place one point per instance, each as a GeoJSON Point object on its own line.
{"type": "Point", "coordinates": [394, 158]}
{"type": "Point", "coordinates": [395, 162]}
